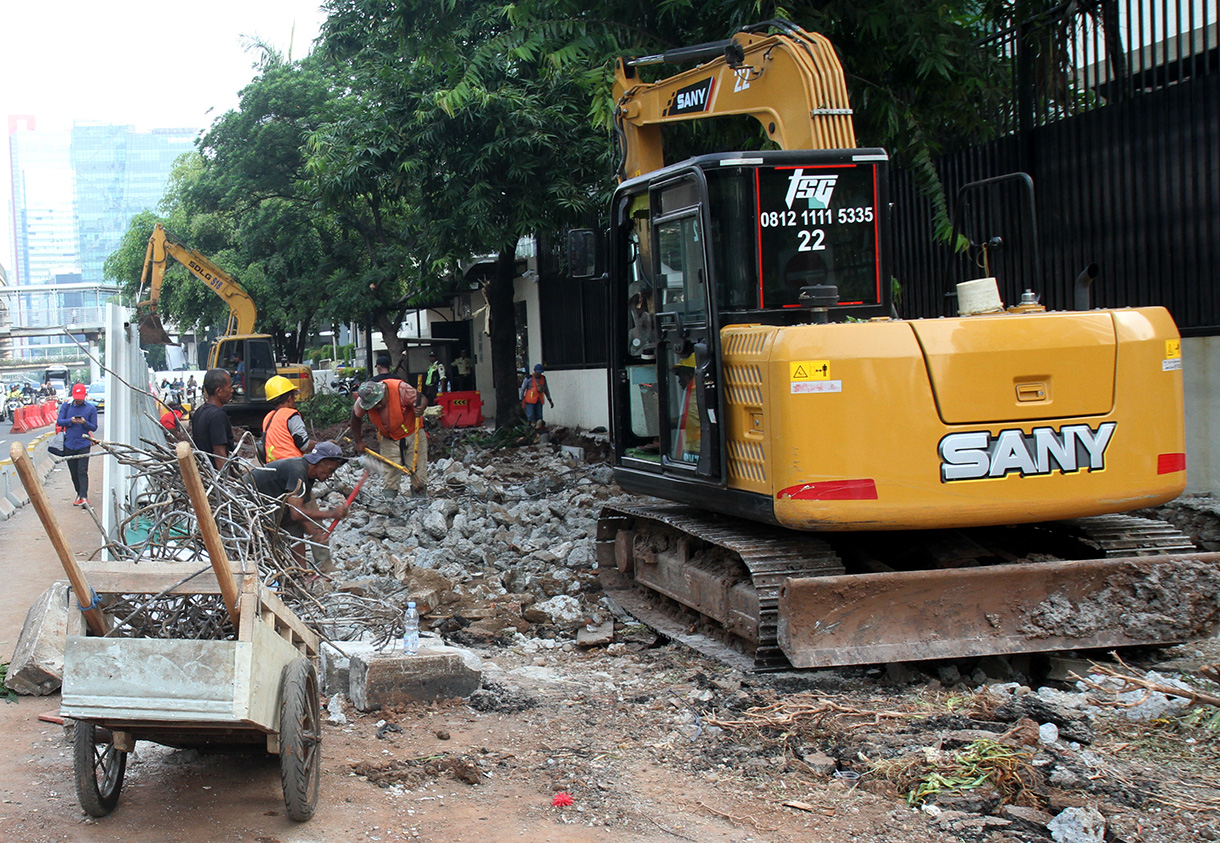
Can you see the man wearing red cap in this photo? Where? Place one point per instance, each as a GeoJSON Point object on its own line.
{"type": "Point", "coordinates": [77, 419]}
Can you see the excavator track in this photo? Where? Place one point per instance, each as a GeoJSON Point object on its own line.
{"type": "Point", "coordinates": [767, 598]}
{"type": "Point", "coordinates": [711, 584]}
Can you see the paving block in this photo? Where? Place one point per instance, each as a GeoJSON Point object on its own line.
{"type": "Point", "coordinates": [37, 667]}
{"type": "Point", "coordinates": [436, 672]}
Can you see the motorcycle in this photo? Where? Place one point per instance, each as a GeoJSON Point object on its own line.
{"type": "Point", "coordinates": [11, 405]}
{"type": "Point", "coordinates": [345, 386]}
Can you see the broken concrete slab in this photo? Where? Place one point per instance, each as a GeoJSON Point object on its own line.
{"type": "Point", "coordinates": [596, 635]}
{"type": "Point", "coordinates": [37, 666]}
{"type": "Point", "coordinates": [436, 672]}
{"type": "Point", "coordinates": [336, 663]}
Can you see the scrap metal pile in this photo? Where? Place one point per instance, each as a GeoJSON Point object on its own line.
{"type": "Point", "coordinates": [161, 524]}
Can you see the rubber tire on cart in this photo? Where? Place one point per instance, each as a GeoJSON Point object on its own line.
{"type": "Point", "coordinates": [99, 769]}
{"type": "Point", "coordinates": [300, 739]}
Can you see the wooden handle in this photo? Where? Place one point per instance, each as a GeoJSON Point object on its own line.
{"type": "Point", "coordinates": [207, 526]}
{"type": "Point", "coordinates": [98, 623]}
{"type": "Point", "coordinates": [373, 453]}
{"type": "Point", "coordinates": [350, 498]}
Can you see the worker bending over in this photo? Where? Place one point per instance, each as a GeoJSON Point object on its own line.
{"type": "Point", "coordinates": [291, 480]}
{"type": "Point", "coordinates": [394, 407]}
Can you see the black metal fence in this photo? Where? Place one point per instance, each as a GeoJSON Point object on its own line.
{"type": "Point", "coordinates": [1115, 113]}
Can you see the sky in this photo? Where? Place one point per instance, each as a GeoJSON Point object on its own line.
{"type": "Point", "coordinates": [148, 64]}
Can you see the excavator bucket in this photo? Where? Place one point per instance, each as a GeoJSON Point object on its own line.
{"type": "Point", "coordinates": [991, 610]}
{"type": "Point", "coordinates": [152, 332]}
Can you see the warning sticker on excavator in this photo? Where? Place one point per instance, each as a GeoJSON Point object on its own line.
{"type": "Point", "coordinates": [803, 387]}
{"type": "Point", "coordinates": [809, 370]}
{"type": "Point", "coordinates": [1173, 356]}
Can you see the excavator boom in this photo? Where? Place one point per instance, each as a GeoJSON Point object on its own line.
{"type": "Point", "coordinates": [791, 82]}
{"type": "Point", "coordinates": [161, 246]}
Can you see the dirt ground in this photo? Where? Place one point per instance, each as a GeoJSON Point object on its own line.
{"type": "Point", "coordinates": [651, 741]}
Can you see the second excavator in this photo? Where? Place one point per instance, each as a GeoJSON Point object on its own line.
{"type": "Point", "coordinates": [249, 357]}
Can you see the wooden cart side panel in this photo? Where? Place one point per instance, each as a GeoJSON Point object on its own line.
{"type": "Point", "coordinates": [270, 655]}
{"type": "Point", "coordinates": [154, 679]}
{"type": "Point", "coordinates": [286, 624]}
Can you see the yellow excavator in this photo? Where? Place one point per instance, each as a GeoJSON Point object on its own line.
{"type": "Point", "coordinates": [845, 486]}
{"type": "Point", "coordinates": [249, 357]}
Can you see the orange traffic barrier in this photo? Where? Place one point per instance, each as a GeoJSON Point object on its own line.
{"type": "Point", "coordinates": [20, 425]}
{"type": "Point", "coordinates": [41, 415]}
{"type": "Point", "coordinates": [52, 412]}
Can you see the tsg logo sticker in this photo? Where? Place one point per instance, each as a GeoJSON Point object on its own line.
{"type": "Point", "coordinates": [975, 455]}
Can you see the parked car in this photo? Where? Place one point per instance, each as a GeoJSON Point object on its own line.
{"type": "Point", "coordinates": [96, 395]}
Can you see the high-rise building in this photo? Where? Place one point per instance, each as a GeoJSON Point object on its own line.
{"type": "Point", "coordinates": [74, 194]}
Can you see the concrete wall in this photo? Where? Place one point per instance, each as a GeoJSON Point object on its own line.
{"type": "Point", "coordinates": [581, 398]}
{"type": "Point", "coordinates": [1201, 379]}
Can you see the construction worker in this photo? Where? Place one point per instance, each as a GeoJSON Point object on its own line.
{"type": "Point", "coordinates": [463, 372]}
{"type": "Point", "coordinates": [434, 378]}
{"type": "Point", "coordinates": [533, 392]}
{"type": "Point", "coordinates": [394, 408]}
{"type": "Point", "coordinates": [291, 480]}
{"type": "Point", "coordinates": [284, 433]}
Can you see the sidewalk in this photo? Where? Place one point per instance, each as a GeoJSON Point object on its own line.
{"type": "Point", "coordinates": [30, 562]}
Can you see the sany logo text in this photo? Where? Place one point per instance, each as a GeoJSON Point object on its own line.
{"type": "Point", "coordinates": [975, 455]}
{"type": "Point", "coordinates": [816, 189]}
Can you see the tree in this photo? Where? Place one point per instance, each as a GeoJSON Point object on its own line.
{"type": "Point", "coordinates": [481, 157]}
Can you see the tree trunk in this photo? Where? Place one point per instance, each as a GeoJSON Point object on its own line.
{"type": "Point", "coordinates": [503, 319]}
{"type": "Point", "coordinates": [394, 345]}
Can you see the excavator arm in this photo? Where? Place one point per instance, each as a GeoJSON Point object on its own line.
{"type": "Point", "coordinates": [161, 246]}
{"type": "Point", "coordinates": [790, 81]}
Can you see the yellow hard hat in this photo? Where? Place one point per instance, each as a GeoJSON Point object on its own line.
{"type": "Point", "coordinates": [278, 385]}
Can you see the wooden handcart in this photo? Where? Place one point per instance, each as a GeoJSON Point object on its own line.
{"type": "Point", "coordinates": [258, 687]}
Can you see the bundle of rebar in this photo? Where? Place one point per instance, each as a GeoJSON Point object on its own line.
{"type": "Point", "coordinates": [161, 524]}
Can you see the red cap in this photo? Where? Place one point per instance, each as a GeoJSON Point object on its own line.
{"type": "Point", "coordinates": [79, 391]}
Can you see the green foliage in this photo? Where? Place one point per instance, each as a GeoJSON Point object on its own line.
{"type": "Point", "coordinates": [325, 410]}
{"type": "Point", "coordinates": [9, 696]}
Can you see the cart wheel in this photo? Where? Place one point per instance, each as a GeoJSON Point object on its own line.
{"type": "Point", "coordinates": [99, 769]}
{"type": "Point", "coordinates": [300, 739]}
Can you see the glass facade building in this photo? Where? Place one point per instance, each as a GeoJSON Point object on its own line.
{"type": "Point", "coordinates": [74, 194]}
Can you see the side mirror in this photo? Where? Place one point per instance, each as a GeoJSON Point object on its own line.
{"type": "Point", "coordinates": [582, 253]}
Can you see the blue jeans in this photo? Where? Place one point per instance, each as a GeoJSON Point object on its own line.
{"type": "Point", "coordinates": [533, 412]}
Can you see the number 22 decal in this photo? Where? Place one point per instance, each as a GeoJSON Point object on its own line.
{"type": "Point", "coordinates": [812, 240]}
{"type": "Point", "coordinates": [743, 81]}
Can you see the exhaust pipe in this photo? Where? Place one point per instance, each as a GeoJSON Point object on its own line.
{"type": "Point", "coordinates": [1083, 282]}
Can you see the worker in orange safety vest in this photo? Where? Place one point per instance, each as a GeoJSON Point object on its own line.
{"type": "Point", "coordinates": [284, 433]}
{"type": "Point", "coordinates": [394, 407]}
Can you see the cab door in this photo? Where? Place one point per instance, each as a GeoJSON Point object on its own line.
{"type": "Point", "coordinates": [687, 374]}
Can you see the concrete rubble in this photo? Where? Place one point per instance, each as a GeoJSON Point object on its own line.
{"type": "Point", "coordinates": [503, 543]}
{"type": "Point", "coordinates": [37, 666]}
{"type": "Point", "coordinates": [502, 546]}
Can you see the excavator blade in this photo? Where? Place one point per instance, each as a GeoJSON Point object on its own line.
{"type": "Point", "coordinates": [152, 332]}
{"type": "Point", "coordinates": [1020, 608]}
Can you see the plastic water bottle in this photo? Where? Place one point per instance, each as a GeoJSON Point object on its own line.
{"type": "Point", "coordinates": [410, 630]}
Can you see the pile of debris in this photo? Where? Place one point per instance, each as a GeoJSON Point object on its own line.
{"type": "Point", "coordinates": [503, 543]}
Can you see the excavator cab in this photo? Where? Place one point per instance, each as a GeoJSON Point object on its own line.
{"type": "Point", "coordinates": [250, 364]}
{"type": "Point", "coordinates": [722, 240]}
